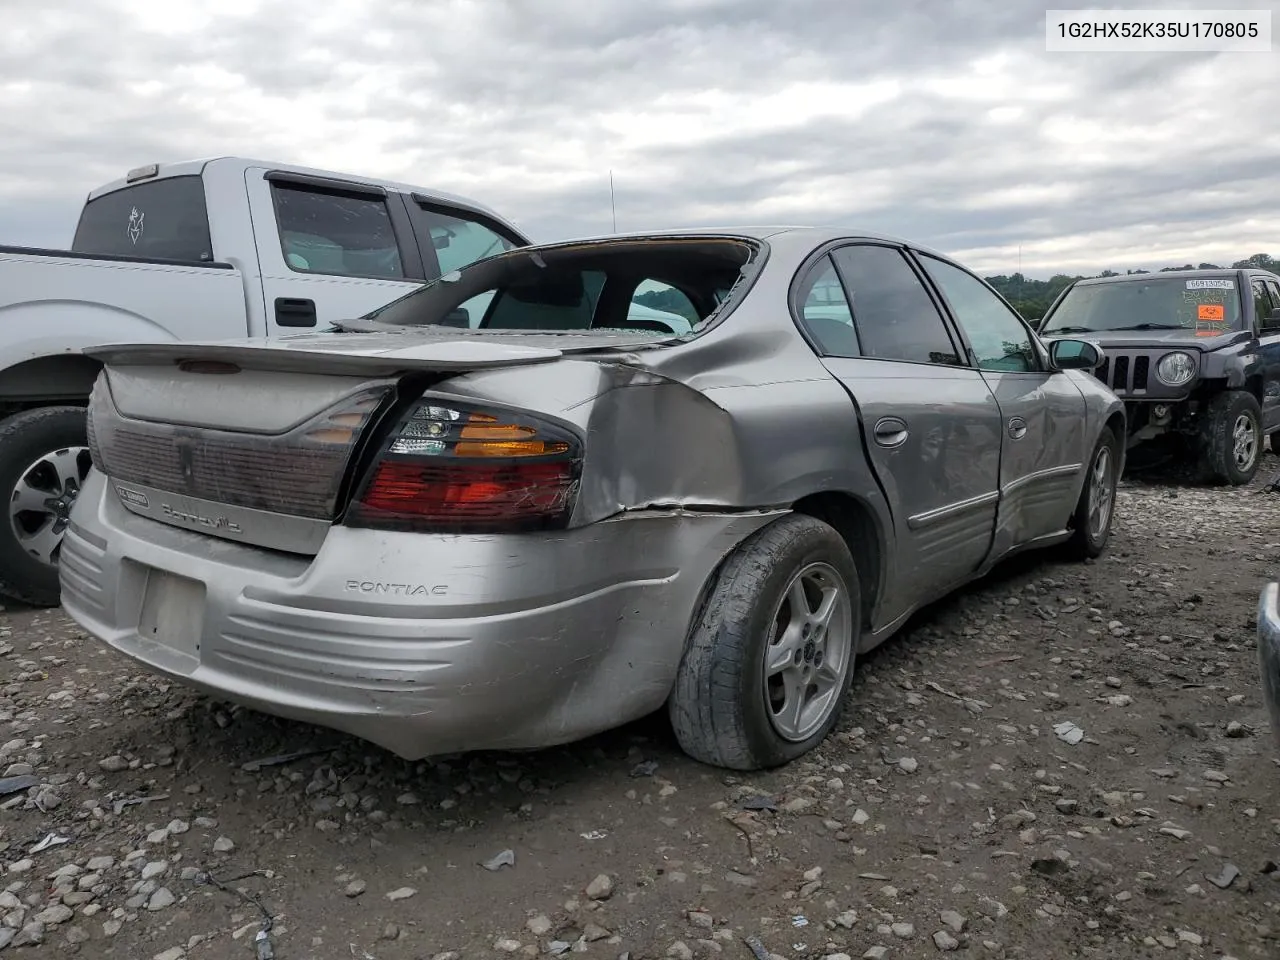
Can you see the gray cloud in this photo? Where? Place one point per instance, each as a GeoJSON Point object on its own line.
{"type": "Point", "coordinates": [946, 123]}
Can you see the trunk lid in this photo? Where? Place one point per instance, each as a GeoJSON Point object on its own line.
{"type": "Point", "coordinates": [255, 441]}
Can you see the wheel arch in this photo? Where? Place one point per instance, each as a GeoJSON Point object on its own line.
{"type": "Point", "coordinates": [860, 528]}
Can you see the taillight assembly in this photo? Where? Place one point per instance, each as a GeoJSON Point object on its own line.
{"type": "Point", "coordinates": [453, 468]}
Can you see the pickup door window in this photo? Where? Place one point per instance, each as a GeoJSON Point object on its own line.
{"type": "Point", "coordinates": [1042, 446]}
{"type": "Point", "coordinates": [931, 424]}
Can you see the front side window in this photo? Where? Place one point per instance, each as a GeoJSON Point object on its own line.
{"type": "Point", "coordinates": [343, 235]}
{"type": "Point", "coordinates": [459, 241]}
{"type": "Point", "coordinates": [1261, 303]}
{"type": "Point", "coordinates": [999, 338]}
{"type": "Point", "coordinates": [895, 317]}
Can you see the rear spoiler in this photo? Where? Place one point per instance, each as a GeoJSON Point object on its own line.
{"type": "Point", "coordinates": [339, 355]}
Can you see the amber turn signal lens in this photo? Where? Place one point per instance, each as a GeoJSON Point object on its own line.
{"type": "Point", "coordinates": [509, 448]}
{"type": "Point", "coordinates": [497, 431]}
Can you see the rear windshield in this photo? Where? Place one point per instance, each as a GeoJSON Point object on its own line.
{"type": "Point", "coordinates": [159, 220]}
{"type": "Point", "coordinates": [663, 286]}
{"type": "Point", "coordinates": [1200, 306]}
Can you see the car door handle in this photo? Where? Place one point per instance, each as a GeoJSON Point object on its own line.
{"type": "Point", "coordinates": [890, 432]}
{"type": "Point", "coordinates": [1017, 428]}
{"type": "Point", "coordinates": [292, 312]}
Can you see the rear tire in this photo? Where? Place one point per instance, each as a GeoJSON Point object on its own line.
{"type": "Point", "coordinates": [770, 657]}
{"type": "Point", "coordinates": [44, 458]}
{"type": "Point", "coordinates": [1095, 510]}
{"type": "Point", "coordinates": [1231, 438]}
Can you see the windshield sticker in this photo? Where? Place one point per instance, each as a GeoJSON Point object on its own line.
{"type": "Point", "coordinates": [1211, 284]}
{"type": "Point", "coordinates": [1211, 311]}
{"type": "Point", "coordinates": [135, 225]}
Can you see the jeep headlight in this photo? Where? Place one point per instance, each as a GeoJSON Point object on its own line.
{"type": "Point", "coordinates": [1175, 369]}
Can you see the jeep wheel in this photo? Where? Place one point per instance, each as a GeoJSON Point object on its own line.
{"type": "Point", "coordinates": [770, 656]}
{"type": "Point", "coordinates": [1231, 438]}
{"type": "Point", "coordinates": [44, 459]}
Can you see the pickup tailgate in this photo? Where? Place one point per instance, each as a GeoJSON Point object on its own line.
{"type": "Point", "coordinates": [256, 443]}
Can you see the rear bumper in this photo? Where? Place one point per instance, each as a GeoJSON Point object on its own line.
{"type": "Point", "coordinates": [423, 644]}
{"type": "Point", "coordinates": [1269, 650]}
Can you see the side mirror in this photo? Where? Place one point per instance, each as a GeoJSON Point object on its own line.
{"type": "Point", "coordinates": [1074, 355]}
{"type": "Point", "coordinates": [458, 317]}
{"type": "Point", "coordinates": [1273, 319]}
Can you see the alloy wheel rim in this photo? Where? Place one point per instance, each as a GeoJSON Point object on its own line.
{"type": "Point", "coordinates": [1101, 493]}
{"type": "Point", "coordinates": [41, 501]}
{"type": "Point", "coordinates": [809, 653]}
{"type": "Point", "coordinates": [1244, 442]}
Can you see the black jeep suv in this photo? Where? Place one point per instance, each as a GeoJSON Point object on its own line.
{"type": "Point", "coordinates": [1195, 355]}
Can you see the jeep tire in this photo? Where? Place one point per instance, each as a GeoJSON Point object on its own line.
{"type": "Point", "coordinates": [1231, 438]}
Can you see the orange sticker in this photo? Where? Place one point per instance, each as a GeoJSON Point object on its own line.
{"type": "Point", "coordinates": [1211, 311]}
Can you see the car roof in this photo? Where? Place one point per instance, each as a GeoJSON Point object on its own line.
{"type": "Point", "coordinates": [811, 236]}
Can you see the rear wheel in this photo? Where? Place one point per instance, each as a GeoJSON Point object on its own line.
{"type": "Point", "coordinates": [44, 459]}
{"type": "Point", "coordinates": [1231, 438]}
{"type": "Point", "coordinates": [770, 658]}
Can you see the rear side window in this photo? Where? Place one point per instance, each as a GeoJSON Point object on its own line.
{"type": "Point", "coordinates": [824, 311]}
{"type": "Point", "coordinates": [895, 316]}
{"type": "Point", "coordinates": [160, 220]}
{"type": "Point", "coordinates": [338, 234]}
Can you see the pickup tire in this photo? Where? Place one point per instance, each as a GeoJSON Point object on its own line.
{"type": "Point", "coordinates": [770, 654]}
{"type": "Point", "coordinates": [44, 459]}
{"type": "Point", "coordinates": [1231, 438]}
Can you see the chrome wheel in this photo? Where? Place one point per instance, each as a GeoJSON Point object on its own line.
{"type": "Point", "coordinates": [1102, 493]}
{"type": "Point", "coordinates": [40, 504]}
{"type": "Point", "coordinates": [810, 653]}
{"type": "Point", "coordinates": [1244, 442]}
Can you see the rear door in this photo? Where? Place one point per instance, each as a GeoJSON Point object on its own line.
{"type": "Point", "coordinates": [1043, 443]}
{"type": "Point", "coordinates": [328, 250]}
{"type": "Point", "coordinates": [1269, 347]}
{"type": "Point", "coordinates": [930, 422]}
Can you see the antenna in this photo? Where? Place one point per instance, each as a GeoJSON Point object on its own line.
{"type": "Point", "coordinates": [1019, 258]}
{"type": "Point", "coordinates": [613, 205]}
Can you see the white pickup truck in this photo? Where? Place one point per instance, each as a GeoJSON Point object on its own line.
{"type": "Point", "coordinates": [208, 249]}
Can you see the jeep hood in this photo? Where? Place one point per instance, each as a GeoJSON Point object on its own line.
{"type": "Point", "coordinates": [1180, 339]}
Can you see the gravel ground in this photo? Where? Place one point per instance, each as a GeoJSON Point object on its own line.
{"type": "Point", "coordinates": [947, 813]}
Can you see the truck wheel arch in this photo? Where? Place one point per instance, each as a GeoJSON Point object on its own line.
{"type": "Point", "coordinates": [66, 377]}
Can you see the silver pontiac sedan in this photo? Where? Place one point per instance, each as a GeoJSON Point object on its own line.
{"type": "Point", "coordinates": [575, 483]}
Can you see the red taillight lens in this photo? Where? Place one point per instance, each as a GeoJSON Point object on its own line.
{"type": "Point", "coordinates": [450, 469]}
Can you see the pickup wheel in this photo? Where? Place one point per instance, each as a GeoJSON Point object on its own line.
{"type": "Point", "coordinates": [44, 459]}
{"type": "Point", "coordinates": [770, 654]}
{"type": "Point", "coordinates": [1095, 510]}
{"type": "Point", "coordinates": [1231, 438]}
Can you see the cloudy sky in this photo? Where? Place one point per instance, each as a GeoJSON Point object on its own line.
{"type": "Point", "coordinates": [944, 122]}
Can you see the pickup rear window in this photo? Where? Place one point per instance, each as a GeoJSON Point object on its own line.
{"type": "Point", "coordinates": [157, 220]}
{"type": "Point", "coordinates": [1203, 306]}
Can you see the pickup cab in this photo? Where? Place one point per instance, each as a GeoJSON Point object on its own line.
{"type": "Point", "coordinates": [198, 250]}
{"type": "Point", "coordinates": [1195, 356]}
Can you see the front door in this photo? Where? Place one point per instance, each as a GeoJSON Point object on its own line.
{"type": "Point", "coordinates": [931, 424]}
{"type": "Point", "coordinates": [1044, 447]}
